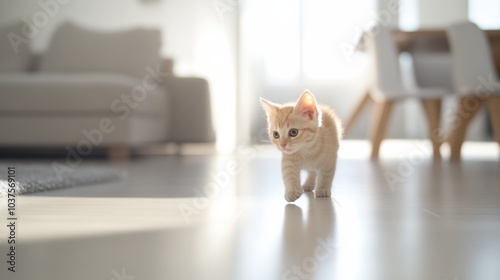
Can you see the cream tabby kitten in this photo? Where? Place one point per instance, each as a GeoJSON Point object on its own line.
{"type": "Point", "coordinates": [308, 135]}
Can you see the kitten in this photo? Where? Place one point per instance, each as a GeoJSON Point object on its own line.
{"type": "Point", "coordinates": [308, 135]}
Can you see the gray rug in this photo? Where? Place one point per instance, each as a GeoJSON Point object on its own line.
{"type": "Point", "coordinates": [32, 178]}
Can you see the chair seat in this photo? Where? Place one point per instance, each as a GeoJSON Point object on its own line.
{"type": "Point", "coordinates": [482, 88]}
{"type": "Point", "coordinates": [429, 93]}
{"type": "Point", "coordinates": [420, 93]}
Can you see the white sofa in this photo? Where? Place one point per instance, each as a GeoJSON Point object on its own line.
{"type": "Point", "coordinates": [100, 89]}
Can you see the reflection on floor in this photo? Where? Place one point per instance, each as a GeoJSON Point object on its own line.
{"type": "Point", "coordinates": [222, 217]}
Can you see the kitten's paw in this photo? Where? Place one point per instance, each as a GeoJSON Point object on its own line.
{"type": "Point", "coordinates": [293, 195]}
{"type": "Point", "coordinates": [308, 187]}
{"type": "Point", "coordinates": [323, 193]}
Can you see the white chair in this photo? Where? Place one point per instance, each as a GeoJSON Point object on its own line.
{"type": "Point", "coordinates": [385, 87]}
{"type": "Point", "coordinates": [475, 80]}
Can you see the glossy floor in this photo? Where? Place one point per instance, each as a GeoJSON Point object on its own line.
{"type": "Point", "coordinates": [399, 218]}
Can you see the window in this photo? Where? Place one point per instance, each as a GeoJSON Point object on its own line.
{"type": "Point", "coordinates": [408, 15]}
{"type": "Point", "coordinates": [304, 39]}
{"type": "Point", "coordinates": [485, 13]}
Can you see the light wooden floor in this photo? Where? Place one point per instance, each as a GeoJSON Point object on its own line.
{"type": "Point", "coordinates": [430, 221]}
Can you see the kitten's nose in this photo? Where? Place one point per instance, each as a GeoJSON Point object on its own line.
{"type": "Point", "coordinates": [282, 145]}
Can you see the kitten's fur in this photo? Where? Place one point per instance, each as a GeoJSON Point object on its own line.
{"type": "Point", "coordinates": [313, 149]}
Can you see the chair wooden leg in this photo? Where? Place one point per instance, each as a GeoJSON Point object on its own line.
{"type": "Point", "coordinates": [356, 113]}
{"type": "Point", "coordinates": [380, 119]}
{"type": "Point", "coordinates": [118, 153]}
{"type": "Point", "coordinates": [494, 108]}
{"type": "Point", "coordinates": [467, 109]}
{"type": "Point", "coordinates": [432, 110]}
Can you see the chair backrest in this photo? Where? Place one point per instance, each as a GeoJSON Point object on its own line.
{"type": "Point", "coordinates": [384, 56]}
{"type": "Point", "coordinates": [471, 56]}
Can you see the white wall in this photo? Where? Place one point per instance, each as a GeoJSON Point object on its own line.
{"type": "Point", "coordinates": [195, 35]}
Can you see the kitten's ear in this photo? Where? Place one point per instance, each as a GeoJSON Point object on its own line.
{"type": "Point", "coordinates": [271, 108]}
{"type": "Point", "coordinates": [306, 105]}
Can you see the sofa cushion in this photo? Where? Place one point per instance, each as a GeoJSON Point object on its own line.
{"type": "Point", "coordinates": [14, 48]}
{"type": "Point", "coordinates": [79, 94]}
{"type": "Point", "coordinates": [54, 131]}
{"type": "Point", "coordinates": [74, 49]}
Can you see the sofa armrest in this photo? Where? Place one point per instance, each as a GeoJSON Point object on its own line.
{"type": "Point", "coordinates": [190, 110]}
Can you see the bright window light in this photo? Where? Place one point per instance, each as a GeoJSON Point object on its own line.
{"type": "Point", "coordinates": [408, 15]}
{"type": "Point", "coordinates": [305, 39]}
{"type": "Point", "coordinates": [213, 57]}
{"type": "Point", "coordinates": [282, 62]}
{"type": "Point", "coordinates": [485, 13]}
{"type": "Point", "coordinates": [273, 37]}
{"type": "Point", "coordinates": [330, 32]}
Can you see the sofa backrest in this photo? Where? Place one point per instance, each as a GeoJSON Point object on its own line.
{"type": "Point", "coordinates": [74, 49]}
{"type": "Point", "coordinates": [14, 48]}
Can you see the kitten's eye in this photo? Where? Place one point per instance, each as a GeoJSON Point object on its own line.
{"type": "Point", "coordinates": [276, 135]}
{"type": "Point", "coordinates": [293, 132]}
